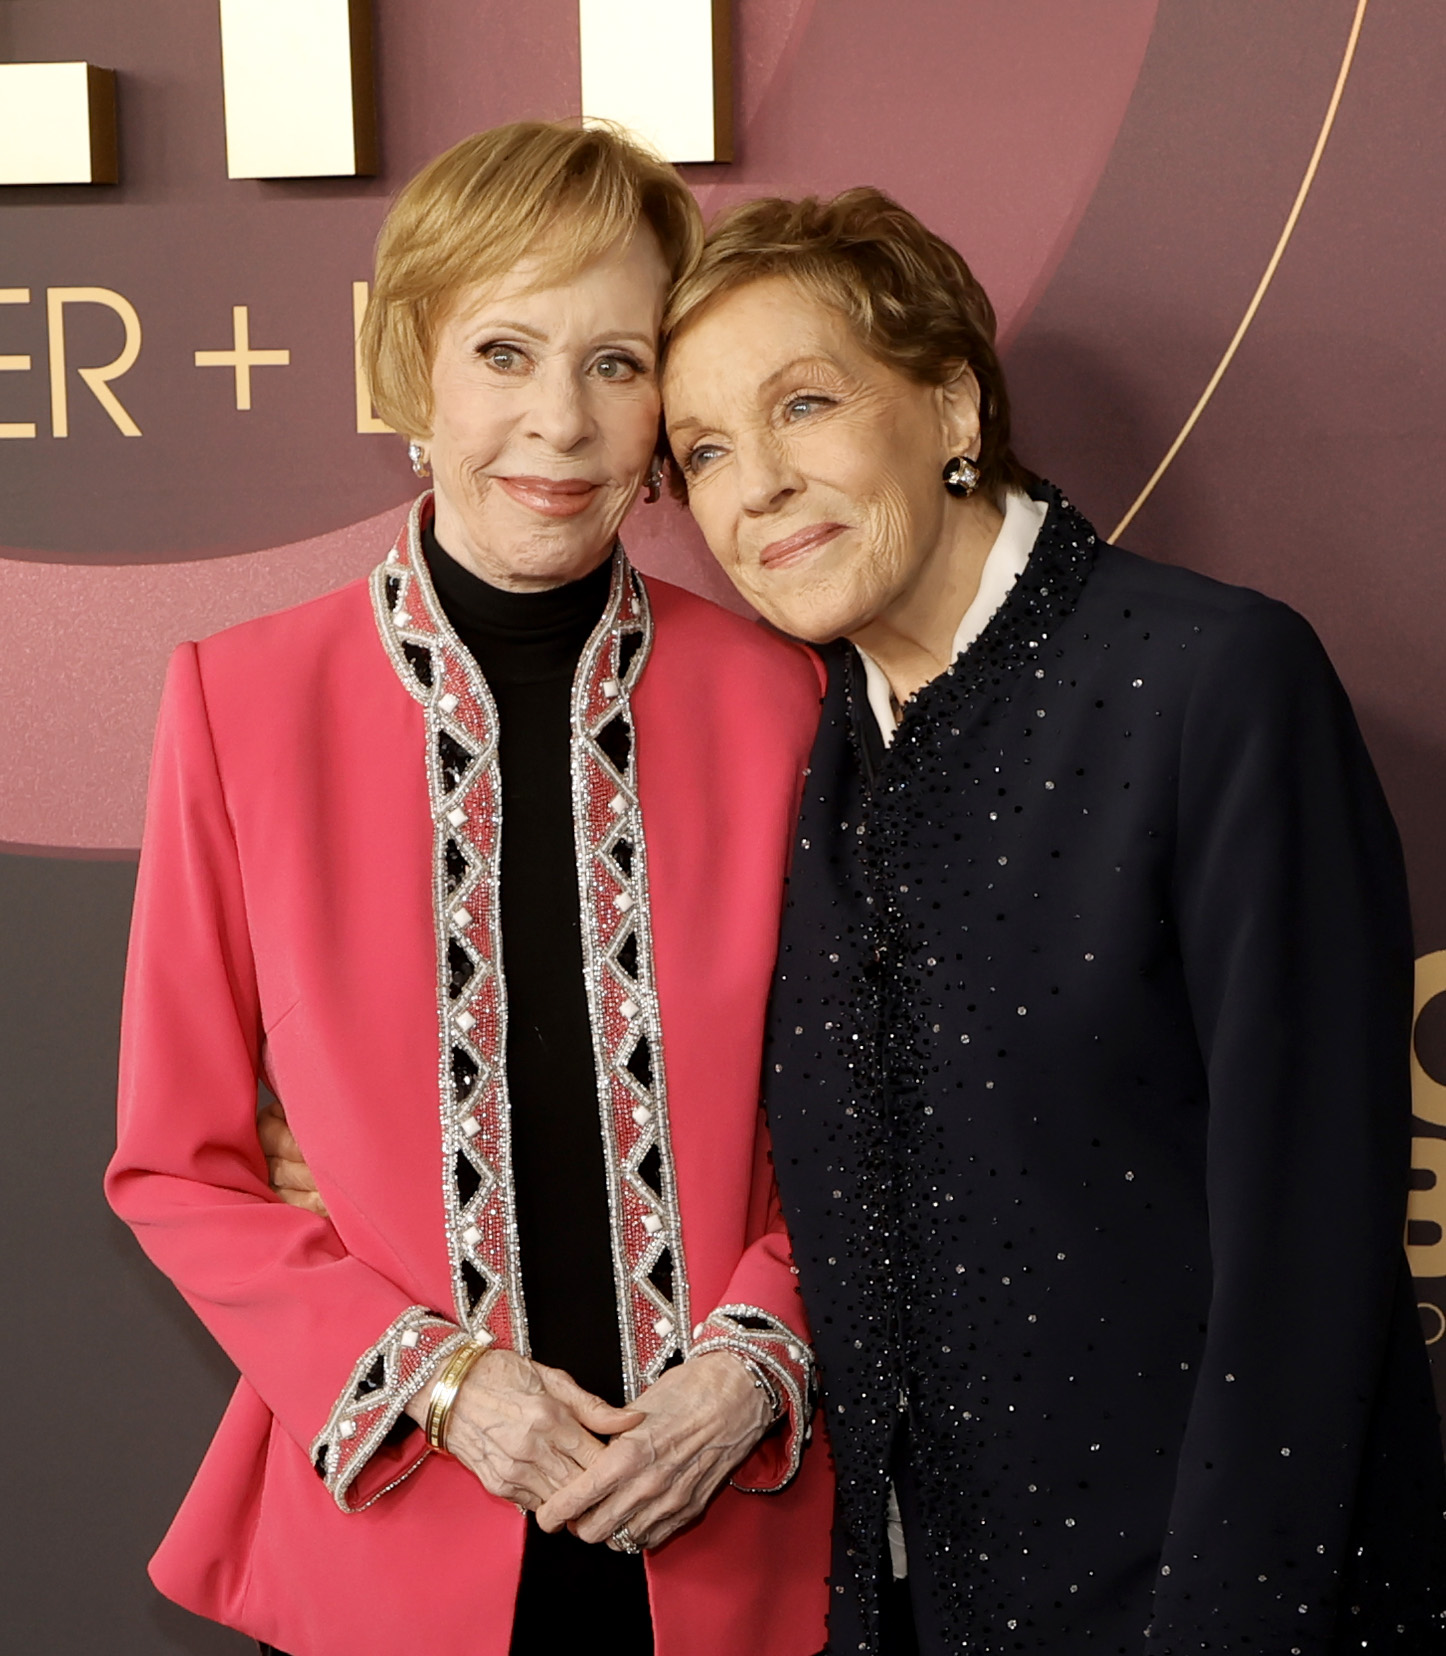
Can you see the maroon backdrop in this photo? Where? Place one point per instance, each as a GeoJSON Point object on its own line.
{"type": "Point", "coordinates": [1119, 177]}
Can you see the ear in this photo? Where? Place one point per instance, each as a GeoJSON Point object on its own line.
{"type": "Point", "coordinates": [958, 403]}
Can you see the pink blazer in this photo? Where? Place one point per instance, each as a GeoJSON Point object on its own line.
{"type": "Point", "coordinates": [315, 904]}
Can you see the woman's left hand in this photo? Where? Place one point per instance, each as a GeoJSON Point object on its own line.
{"type": "Point", "coordinates": [701, 1420]}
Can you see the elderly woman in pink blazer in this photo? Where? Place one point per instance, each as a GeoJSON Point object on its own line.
{"type": "Point", "coordinates": [479, 864]}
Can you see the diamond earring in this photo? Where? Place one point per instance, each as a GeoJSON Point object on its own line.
{"type": "Point", "coordinates": [418, 456]}
{"type": "Point", "coordinates": [961, 475]}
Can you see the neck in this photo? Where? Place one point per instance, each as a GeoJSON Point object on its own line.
{"type": "Point", "coordinates": [912, 639]}
{"type": "Point", "coordinates": [451, 531]}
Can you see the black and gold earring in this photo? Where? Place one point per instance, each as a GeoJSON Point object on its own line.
{"type": "Point", "coordinates": [961, 475]}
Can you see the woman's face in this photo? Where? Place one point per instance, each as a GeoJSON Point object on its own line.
{"type": "Point", "coordinates": [545, 416]}
{"type": "Point", "coordinates": [813, 469]}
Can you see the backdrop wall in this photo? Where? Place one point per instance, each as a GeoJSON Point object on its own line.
{"type": "Point", "coordinates": [1120, 175]}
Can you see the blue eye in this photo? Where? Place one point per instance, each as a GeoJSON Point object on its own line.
{"type": "Point", "coordinates": [699, 457]}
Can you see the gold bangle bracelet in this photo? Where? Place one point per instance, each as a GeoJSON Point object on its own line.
{"type": "Point", "coordinates": [444, 1394]}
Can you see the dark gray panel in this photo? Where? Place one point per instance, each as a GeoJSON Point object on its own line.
{"type": "Point", "coordinates": [124, 1387]}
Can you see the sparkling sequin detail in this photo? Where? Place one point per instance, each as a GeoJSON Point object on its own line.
{"type": "Point", "coordinates": [999, 1215]}
{"type": "Point", "coordinates": [465, 790]}
{"type": "Point", "coordinates": [386, 1377]}
{"type": "Point", "coordinates": [786, 1360]}
{"type": "Point", "coordinates": [465, 787]}
{"type": "Point", "coordinates": [612, 863]}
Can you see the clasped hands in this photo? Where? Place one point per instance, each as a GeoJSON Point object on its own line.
{"type": "Point", "coordinates": [531, 1435]}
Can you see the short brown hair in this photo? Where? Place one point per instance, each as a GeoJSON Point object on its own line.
{"type": "Point", "coordinates": [553, 190]}
{"type": "Point", "coordinates": [912, 299]}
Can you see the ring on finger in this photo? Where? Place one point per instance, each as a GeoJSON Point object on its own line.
{"type": "Point", "coordinates": [622, 1539]}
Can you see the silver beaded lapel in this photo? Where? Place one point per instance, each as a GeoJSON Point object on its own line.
{"type": "Point", "coordinates": [464, 786]}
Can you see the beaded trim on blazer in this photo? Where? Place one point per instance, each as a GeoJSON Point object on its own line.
{"type": "Point", "coordinates": [465, 790]}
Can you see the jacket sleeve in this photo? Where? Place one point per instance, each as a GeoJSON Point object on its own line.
{"type": "Point", "coordinates": [1290, 902]}
{"type": "Point", "coordinates": [333, 1347]}
{"type": "Point", "coordinates": [762, 1319]}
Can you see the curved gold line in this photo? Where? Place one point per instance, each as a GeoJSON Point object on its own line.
{"type": "Point", "coordinates": [1265, 280]}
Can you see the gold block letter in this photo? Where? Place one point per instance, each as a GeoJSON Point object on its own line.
{"type": "Point", "coordinates": [15, 364]}
{"type": "Point", "coordinates": [98, 379]}
{"type": "Point", "coordinates": [682, 102]}
{"type": "Point", "coordinates": [366, 415]}
{"type": "Point", "coordinates": [1428, 1155]}
{"type": "Point", "coordinates": [1428, 1096]}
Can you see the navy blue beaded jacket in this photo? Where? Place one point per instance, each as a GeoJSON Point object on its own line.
{"type": "Point", "coordinates": [1090, 1106]}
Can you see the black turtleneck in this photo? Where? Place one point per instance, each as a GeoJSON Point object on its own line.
{"type": "Point", "coordinates": [527, 645]}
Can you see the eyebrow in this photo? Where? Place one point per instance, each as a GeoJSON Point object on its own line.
{"type": "Point", "coordinates": [502, 325]}
{"type": "Point", "coordinates": [792, 367]}
{"type": "Point", "coordinates": [691, 422]}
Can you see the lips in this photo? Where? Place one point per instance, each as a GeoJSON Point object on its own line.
{"type": "Point", "coordinates": [794, 548]}
{"type": "Point", "coordinates": [554, 497]}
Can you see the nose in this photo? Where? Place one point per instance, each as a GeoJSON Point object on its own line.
{"type": "Point", "coordinates": [559, 412]}
{"type": "Point", "coordinates": [766, 475]}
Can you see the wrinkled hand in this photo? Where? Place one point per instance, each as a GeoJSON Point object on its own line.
{"type": "Point", "coordinates": [700, 1420]}
{"type": "Point", "coordinates": [286, 1166]}
{"type": "Point", "coordinates": [525, 1429]}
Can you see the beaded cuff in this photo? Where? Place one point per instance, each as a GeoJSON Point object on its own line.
{"type": "Point", "coordinates": [383, 1382]}
{"type": "Point", "coordinates": [768, 1343]}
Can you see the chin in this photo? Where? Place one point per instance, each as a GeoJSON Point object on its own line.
{"type": "Point", "coordinates": [814, 624]}
{"type": "Point", "coordinates": [558, 553]}
{"type": "Point", "coordinates": [813, 610]}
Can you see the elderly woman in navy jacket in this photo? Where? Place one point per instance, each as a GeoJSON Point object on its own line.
{"type": "Point", "coordinates": [1088, 1069]}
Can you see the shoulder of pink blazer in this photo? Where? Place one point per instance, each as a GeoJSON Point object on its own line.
{"type": "Point", "coordinates": [745, 661]}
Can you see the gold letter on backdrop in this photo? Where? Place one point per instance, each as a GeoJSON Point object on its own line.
{"type": "Point", "coordinates": [57, 124]}
{"type": "Point", "coordinates": [98, 379]}
{"type": "Point", "coordinates": [297, 77]}
{"type": "Point", "coordinates": [15, 364]}
{"type": "Point", "coordinates": [1428, 1155]}
{"type": "Point", "coordinates": [662, 68]}
{"type": "Point", "coordinates": [366, 414]}
{"type": "Point", "coordinates": [1428, 1096]}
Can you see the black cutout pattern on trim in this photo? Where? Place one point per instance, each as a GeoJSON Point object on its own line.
{"type": "Point", "coordinates": [454, 759]}
{"type": "Point", "coordinates": [466, 1178]}
{"type": "Point", "coordinates": [661, 1275]}
{"type": "Point", "coordinates": [465, 1070]}
{"type": "Point", "coordinates": [460, 967]}
{"type": "Point", "coordinates": [640, 1063]}
{"type": "Point", "coordinates": [616, 740]}
{"type": "Point", "coordinates": [420, 661]}
{"type": "Point", "coordinates": [650, 1169]}
{"type": "Point", "coordinates": [474, 1284]}
{"type": "Point", "coordinates": [456, 872]}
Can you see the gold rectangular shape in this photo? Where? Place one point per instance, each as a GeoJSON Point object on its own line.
{"type": "Point", "coordinates": [297, 76]}
{"type": "Point", "coordinates": [663, 69]}
{"type": "Point", "coordinates": [57, 124]}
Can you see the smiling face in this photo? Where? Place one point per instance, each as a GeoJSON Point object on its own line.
{"type": "Point", "coordinates": [813, 469]}
{"type": "Point", "coordinates": [545, 416]}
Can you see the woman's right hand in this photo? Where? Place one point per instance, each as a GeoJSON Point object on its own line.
{"type": "Point", "coordinates": [525, 1429]}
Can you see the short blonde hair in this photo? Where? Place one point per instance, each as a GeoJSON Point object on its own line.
{"type": "Point", "coordinates": [911, 299]}
{"type": "Point", "coordinates": [550, 190]}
